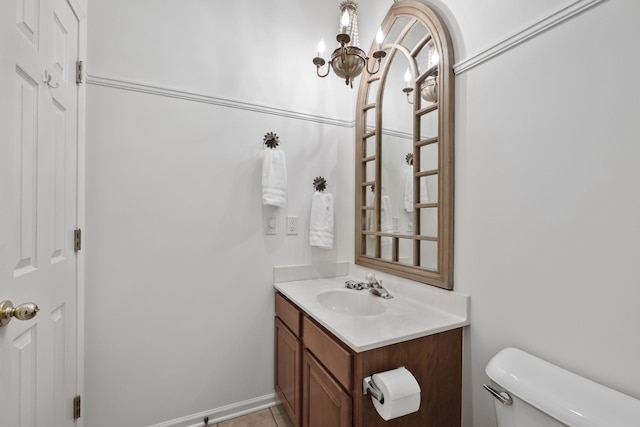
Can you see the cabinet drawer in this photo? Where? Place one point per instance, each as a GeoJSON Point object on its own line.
{"type": "Point", "coordinates": [336, 359]}
{"type": "Point", "coordinates": [289, 314]}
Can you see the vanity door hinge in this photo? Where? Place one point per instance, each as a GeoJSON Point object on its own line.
{"type": "Point", "coordinates": [76, 407]}
{"type": "Point", "coordinates": [79, 72]}
{"type": "Point", "coordinates": [77, 239]}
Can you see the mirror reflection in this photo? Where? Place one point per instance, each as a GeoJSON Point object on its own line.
{"type": "Point", "coordinates": [404, 152]}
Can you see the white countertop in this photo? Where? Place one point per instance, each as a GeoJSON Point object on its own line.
{"type": "Point", "coordinates": [412, 313]}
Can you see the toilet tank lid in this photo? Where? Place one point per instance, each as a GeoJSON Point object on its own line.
{"type": "Point", "coordinates": [563, 395]}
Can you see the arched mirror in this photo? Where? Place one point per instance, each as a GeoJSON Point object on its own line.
{"type": "Point", "coordinates": [404, 151]}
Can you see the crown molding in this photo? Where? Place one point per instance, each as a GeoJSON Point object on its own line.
{"type": "Point", "coordinates": [531, 31]}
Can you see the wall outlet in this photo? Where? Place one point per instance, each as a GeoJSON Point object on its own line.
{"type": "Point", "coordinates": [396, 224]}
{"type": "Point", "coordinates": [270, 226]}
{"type": "Point", "coordinates": [292, 225]}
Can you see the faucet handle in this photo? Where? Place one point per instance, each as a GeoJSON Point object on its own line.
{"type": "Point", "coordinates": [371, 278]}
{"type": "Point", "coordinates": [352, 284]}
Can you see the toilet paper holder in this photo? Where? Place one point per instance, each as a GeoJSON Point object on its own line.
{"type": "Point", "coordinates": [368, 386]}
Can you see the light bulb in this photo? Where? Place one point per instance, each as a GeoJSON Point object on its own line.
{"type": "Point", "coordinates": [407, 77]}
{"type": "Point", "coordinates": [321, 47]}
{"type": "Point", "coordinates": [345, 21]}
{"type": "Point", "coordinates": [379, 36]}
{"type": "Point", "coordinates": [435, 58]}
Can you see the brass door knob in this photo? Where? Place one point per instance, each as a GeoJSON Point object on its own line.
{"type": "Point", "coordinates": [24, 311]}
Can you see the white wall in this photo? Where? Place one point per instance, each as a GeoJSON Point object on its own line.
{"type": "Point", "coordinates": [548, 203]}
{"type": "Point", "coordinates": [179, 302]}
{"type": "Point", "coordinates": [179, 297]}
{"type": "Point", "coordinates": [179, 270]}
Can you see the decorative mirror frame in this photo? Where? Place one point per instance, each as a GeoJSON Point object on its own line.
{"type": "Point", "coordinates": [442, 275]}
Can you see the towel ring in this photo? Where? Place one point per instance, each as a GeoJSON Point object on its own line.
{"type": "Point", "coordinates": [271, 140]}
{"type": "Point", "coordinates": [320, 184]}
{"type": "Point", "coordinates": [409, 159]}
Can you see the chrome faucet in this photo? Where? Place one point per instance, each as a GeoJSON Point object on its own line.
{"type": "Point", "coordinates": [376, 288]}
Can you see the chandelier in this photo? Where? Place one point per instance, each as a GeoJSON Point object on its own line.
{"type": "Point", "coordinates": [429, 87]}
{"type": "Point", "coordinates": [348, 60]}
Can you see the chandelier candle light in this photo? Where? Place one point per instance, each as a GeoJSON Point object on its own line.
{"type": "Point", "coordinates": [348, 60]}
{"type": "Point", "coordinates": [407, 90]}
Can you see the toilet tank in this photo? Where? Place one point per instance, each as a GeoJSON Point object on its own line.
{"type": "Point", "coordinates": [546, 395]}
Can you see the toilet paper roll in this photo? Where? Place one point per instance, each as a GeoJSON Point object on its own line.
{"type": "Point", "coordinates": [401, 393]}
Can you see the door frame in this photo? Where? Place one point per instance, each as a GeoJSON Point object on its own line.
{"type": "Point", "coordinates": [81, 15]}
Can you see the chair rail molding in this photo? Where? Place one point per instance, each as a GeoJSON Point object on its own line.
{"type": "Point", "coordinates": [539, 27]}
{"type": "Point", "coordinates": [155, 89]}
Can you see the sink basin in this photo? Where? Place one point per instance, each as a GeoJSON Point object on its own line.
{"type": "Point", "coordinates": [356, 303]}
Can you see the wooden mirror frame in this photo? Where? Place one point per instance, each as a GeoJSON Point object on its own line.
{"type": "Point", "coordinates": [442, 275]}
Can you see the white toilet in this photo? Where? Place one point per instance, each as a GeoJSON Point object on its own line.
{"type": "Point", "coordinates": [530, 392]}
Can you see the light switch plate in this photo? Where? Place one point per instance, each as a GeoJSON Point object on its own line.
{"type": "Point", "coordinates": [270, 226]}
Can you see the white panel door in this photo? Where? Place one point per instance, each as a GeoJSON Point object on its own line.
{"type": "Point", "coordinates": [38, 210]}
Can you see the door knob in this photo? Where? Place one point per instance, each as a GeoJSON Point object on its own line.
{"type": "Point", "coordinates": [24, 311]}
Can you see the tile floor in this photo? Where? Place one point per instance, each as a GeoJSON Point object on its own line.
{"type": "Point", "coordinates": [270, 417]}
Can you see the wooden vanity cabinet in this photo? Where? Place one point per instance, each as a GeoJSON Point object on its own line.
{"type": "Point", "coordinates": [435, 361]}
{"type": "Point", "coordinates": [288, 358]}
{"type": "Point", "coordinates": [324, 402]}
{"type": "Point", "coordinates": [321, 386]}
{"type": "Point", "coordinates": [327, 378]}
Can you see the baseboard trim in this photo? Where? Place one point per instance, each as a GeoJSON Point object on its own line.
{"type": "Point", "coordinates": [531, 31]}
{"type": "Point", "coordinates": [223, 413]}
{"type": "Point", "coordinates": [152, 89]}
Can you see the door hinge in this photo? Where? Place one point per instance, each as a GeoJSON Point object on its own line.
{"type": "Point", "coordinates": [76, 407]}
{"type": "Point", "coordinates": [79, 72]}
{"type": "Point", "coordinates": [77, 239]}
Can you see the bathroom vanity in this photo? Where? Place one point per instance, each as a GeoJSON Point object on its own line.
{"type": "Point", "coordinates": [328, 339]}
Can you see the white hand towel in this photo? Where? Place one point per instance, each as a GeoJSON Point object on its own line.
{"type": "Point", "coordinates": [424, 197]}
{"type": "Point", "coordinates": [274, 178]}
{"type": "Point", "coordinates": [407, 199]}
{"type": "Point", "coordinates": [321, 224]}
{"type": "Point", "coordinates": [370, 215]}
{"type": "Point", "coordinates": [386, 223]}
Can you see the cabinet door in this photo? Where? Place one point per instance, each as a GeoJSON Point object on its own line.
{"type": "Point", "coordinates": [325, 403]}
{"type": "Point", "coordinates": [288, 352]}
